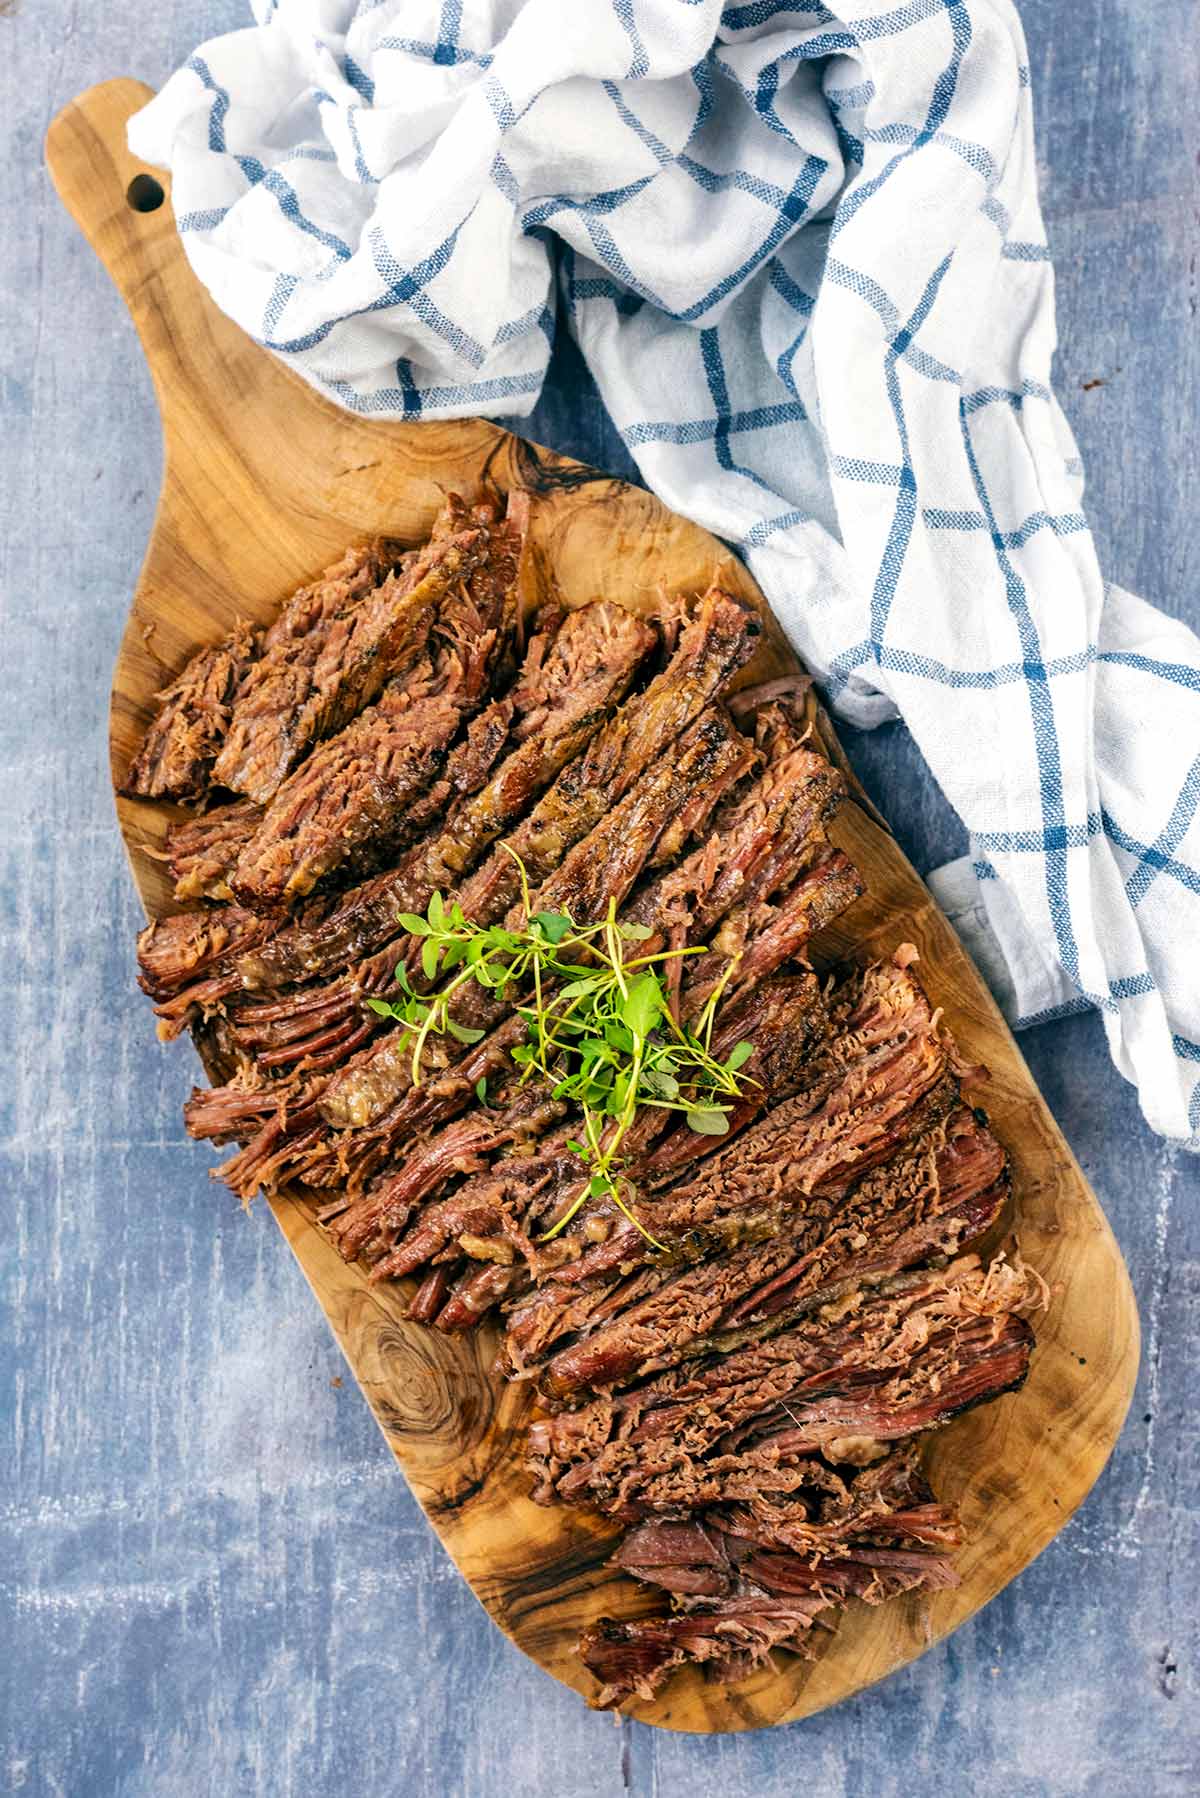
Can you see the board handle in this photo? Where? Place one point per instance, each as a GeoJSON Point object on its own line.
{"type": "Point", "coordinates": [123, 208]}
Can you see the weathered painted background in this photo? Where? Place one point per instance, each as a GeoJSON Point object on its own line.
{"type": "Point", "coordinates": [212, 1579]}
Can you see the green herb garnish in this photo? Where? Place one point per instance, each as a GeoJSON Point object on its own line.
{"type": "Point", "coordinates": [599, 1028]}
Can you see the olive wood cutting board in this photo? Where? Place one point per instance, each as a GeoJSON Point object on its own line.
{"type": "Point", "coordinates": [264, 483]}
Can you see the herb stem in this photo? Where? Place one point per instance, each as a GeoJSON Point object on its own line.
{"type": "Point", "coordinates": [608, 1039]}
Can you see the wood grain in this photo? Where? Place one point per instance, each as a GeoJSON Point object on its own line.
{"type": "Point", "coordinates": [264, 482]}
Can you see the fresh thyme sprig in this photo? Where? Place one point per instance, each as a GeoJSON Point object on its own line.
{"type": "Point", "coordinates": [599, 1028]}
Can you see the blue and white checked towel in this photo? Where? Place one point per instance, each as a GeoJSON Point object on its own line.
{"type": "Point", "coordinates": [801, 249]}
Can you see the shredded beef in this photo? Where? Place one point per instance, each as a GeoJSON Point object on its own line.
{"type": "Point", "coordinates": [176, 757]}
{"type": "Point", "coordinates": [919, 1340]}
{"type": "Point", "coordinates": [733, 1636]}
{"type": "Point", "coordinates": [560, 709]}
{"type": "Point", "coordinates": [292, 693]}
{"type": "Point", "coordinates": [174, 952]}
{"type": "Point", "coordinates": [203, 851]}
{"type": "Point", "coordinates": [742, 1343]}
{"type": "Point", "coordinates": [748, 1579]}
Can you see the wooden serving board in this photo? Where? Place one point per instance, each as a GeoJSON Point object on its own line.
{"type": "Point", "coordinates": [264, 483]}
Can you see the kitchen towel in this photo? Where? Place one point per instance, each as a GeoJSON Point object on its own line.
{"type": "Point", "coordinates": [801, 249]}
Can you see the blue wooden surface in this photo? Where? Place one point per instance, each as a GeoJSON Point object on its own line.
{"type": "Point", "coordinates": [212, 1579]}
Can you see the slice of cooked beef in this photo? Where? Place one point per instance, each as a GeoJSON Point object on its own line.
{"type": "Point", "coordinates": [366, 783]}
{"type": "Point", "coordinates": [735, 1572]}
{"type": "Point", "coordinates": [689, 780]}
{"type": "Point", "coordinates": [774, 1454]}
{"type": "Point", "coordinates": [732, 1635]}
{"type": "Point", "coordinates": [756, 939]}
{"type": "Point", "coordinates": [229, 1113]}
{"type": "Point", "coordinates": [782, 1019]}
{"type": "Point", "coordinates": [185, 736]}
{"type": "Point", "coordinates": [351, 790]}
{"type": "Point", "coordinates": [520, 1114]}
{"type": "Point", "coordinates": [430, 1295]}
{"type": "Point", "coordinates": [478, 1290]}
{"type": "Point", "coordinates": [560, 703]}
{"type": "Point", "coordinates": [870, 1537]}
{"type": "Point", "coordinates": [770, 833]}
{"type": "Point", "coordinates": [840, 1124]}
{"type": "Point", "coordinates": [977, 1363]}
{"type": "Point", "coordinates": [861, 1098]}
{"type": "Point", "coordinates": [174, 952]}
{"type": "Point", "coordinates": [203, 851]}
{"type": "Point", "coordinates": [894, 1218]}
{"type": "Point", "coordinates": [565, 694]}
{"type": "Point", "coordinates": [481, 1207]}
{"type": "Point", "coordinates": [790, 801]}
{"type": "Point", "coordinates": [718, 640]}
{"type": "Point", "coordinates": [699, 1560]}
{"type": "Point", "coordinates": [768, 838]}
{"type": "Point", "coordinates": [640, 1448]}
{"type": "Point", "coordinates": [785, 691]}
{"type": "Point", "coordinates": [283, 699]}
{"type": "Point", "coordinates": [202, 1002]}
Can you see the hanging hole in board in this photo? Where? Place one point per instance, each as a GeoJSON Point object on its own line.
{"type": "Point", "coordinates": [144, 194]}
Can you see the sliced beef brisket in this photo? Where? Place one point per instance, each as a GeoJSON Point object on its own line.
{"type": "Point", "coordinates": [183, 741]}
{"type": "Point", "coordinates": [558, 708]}
{"type": "Point", "coordinates": [896, 1217]}
{"type": "Point", "coordinates": [376, 1086]}
{"type": "Point", "coordinates": [602, 867]}
{"type": "Point", "coordinates": [860, 1099]}
{"type": "Point", "coordinates": [203, 851]}
{"type": "Point", "coordinates": [755, 1330]}
{"type": "Point", "coordinates": [718, 640]}
{"type": "Point", "coordinates": [448, 640]}
{"type": "Point", "coordinates": [883, 1354]}
{"type": "Point", "coordinates": [283, 699]}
